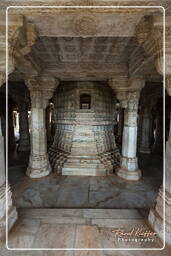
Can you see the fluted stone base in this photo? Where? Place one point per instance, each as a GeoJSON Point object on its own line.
{"type": "Point", "coordinates": [38, 167]}
{"type": "Point", "coordinates": [129, 169]}
{"type": "Point", "coordinates": [129, 175]}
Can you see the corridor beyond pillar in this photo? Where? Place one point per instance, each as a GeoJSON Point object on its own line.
{"type": "Point", "coordinates": [24, 141]}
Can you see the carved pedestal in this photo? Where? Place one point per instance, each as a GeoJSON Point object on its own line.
{"type": "Point", "coordinates": [84, 142]}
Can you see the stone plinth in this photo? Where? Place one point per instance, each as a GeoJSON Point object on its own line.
{"type": "Point", "coordinates": [84, 142]}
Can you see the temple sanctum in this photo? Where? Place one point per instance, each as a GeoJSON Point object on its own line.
{"type": "Point", "coordinates": [85, 110]}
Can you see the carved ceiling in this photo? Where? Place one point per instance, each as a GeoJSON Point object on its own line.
{"type": "Point", "coordinates": [82, 44]}
{"type": "Point", "coordinates": [96, 58]}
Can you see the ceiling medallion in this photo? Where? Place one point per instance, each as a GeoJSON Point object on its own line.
{"type": "Point", "coordinates": [84, 25]}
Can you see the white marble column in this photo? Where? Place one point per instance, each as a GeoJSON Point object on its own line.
{"type": "Point", "coordinates": [41, 90]}
{"type": "Point", "coordinates": [129, 163]}
{"type": "Point", "coordinates": [145, 142]}
{"type": "Point", "coordinates": [156, 215]}
{"type": "Point", "coordinates": [24, 141]}
{"type": "Point", "coordinates": [12, 214]}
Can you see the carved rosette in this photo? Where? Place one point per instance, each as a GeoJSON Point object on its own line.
{"type": "Point", "coordinates": [84, 25]}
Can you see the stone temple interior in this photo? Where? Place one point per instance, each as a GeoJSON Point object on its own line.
{"type": "Point", "coordinates": [84, 118]}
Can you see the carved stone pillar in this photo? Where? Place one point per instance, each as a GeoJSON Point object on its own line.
{"type": "Point", "coordinates": [129, 163]}
{"type": "Point", "coordinates": [24, 141]}
{"type": "Point", "coordinates": [145, 142]}
{"type": "Point", "coordinates": [12, 214]}
{"type": "Point", "coordinates": [156, 214]}
{"type": "Point", "coordinates": [128, 92]}
{"type": "Point", "coordinates": [41, 90]}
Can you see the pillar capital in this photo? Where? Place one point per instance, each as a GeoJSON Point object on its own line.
{"type": "Point", "coordinates": [41, 89]}
{"type": "Point", "coordinates": [120, 88]}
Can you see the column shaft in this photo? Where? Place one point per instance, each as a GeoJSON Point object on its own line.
{"type": "Point", "coordinates": [38, 163]}
{"type": "Point", "coordinates": [41, 90]}
{"type": "Point", "coordinates": [129, 164]}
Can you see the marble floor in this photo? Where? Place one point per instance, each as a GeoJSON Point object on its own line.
{"type": "Point", "coordinates": [81, 228]}
{"type": "Point", "coordinates": [49, 223]}
{"type": "Point", "coordinates": [85, 192]}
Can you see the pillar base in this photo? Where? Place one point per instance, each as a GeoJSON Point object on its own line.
{"type": "Point", "coordinates": [39, 167]}
{"type": "Point", "coordinates": [129, 175]}
{"type": "Point", "coordinates": [38, 173]}
{"type": "Point", "coordinates": [155, 217]}
{"type": "Point", "coordinates": [129, 169]}
{"type": "Point", "coordinates": [12, 213]}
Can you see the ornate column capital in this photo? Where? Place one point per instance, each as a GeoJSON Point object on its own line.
{"type": "Point", "coordinates": [120, 87]}
{"type": "Point", "coordinates": [41, 89]}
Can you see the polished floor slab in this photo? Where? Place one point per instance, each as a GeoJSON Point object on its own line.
{"type": "Point", "coordinates": [91, 228]}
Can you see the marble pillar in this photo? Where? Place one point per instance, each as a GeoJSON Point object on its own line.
{"type": "Point", "coordinates": [12, 213]}
{"type": "Point", "coordinates": [129, 163]}
{"type": "Point", "coordinates": [24, 141]}
{"type": "Point", "coordinates": [41, 90]}
{"type": "Point", "coordinates": [146, 126]}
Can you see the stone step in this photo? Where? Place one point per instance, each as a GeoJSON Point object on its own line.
{"type": "Point", "coordinates": [83, 160]}
{"type": "Point", "coordinates": [98, 217]}
{"type": "Point", "coordinates": [98, 165]}
{"type": "Point", "coordinates": [83, 171]}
